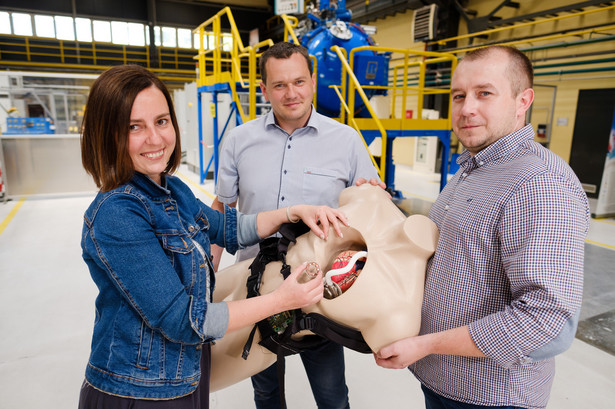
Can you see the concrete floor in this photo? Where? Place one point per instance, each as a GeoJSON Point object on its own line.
{"type": "Point", "coordinates": [47, 311]}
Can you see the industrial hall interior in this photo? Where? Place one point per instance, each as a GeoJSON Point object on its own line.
{"type": "Point", "coordinates": [385, 97]}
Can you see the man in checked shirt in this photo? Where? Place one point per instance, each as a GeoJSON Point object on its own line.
{"type": "Point", "coordinates": [503, 290]}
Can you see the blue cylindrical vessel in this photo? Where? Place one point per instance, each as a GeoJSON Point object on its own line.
{"type": "Point", "coordinates": [369, 67]}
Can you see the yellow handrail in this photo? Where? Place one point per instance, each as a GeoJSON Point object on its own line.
{"type": "Point", "coordinates": [354, 124]}
{"type": "Point", "coordinates": [290, 23]}
{"type": "Point", "coordinates": [426, 57]}
{"type": "Point", "coordinates": [41, 52]}
{"type": "Point", "coordinates": [237, 53]}
{"type": "Point", "coordinates": [354, 83]}
{"type": "Point", "coordinates": [515, 26]}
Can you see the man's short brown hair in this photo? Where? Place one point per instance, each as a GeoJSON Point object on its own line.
{"type": "Point", "coordinates": [106, 125]}
{"type": "Point", "coordinates": [520, 72]}
{"type": "Point", "coordinates": [283, 51]}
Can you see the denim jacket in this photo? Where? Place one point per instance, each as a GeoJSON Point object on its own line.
{"type": "Point", "coordinates": [147, 248]}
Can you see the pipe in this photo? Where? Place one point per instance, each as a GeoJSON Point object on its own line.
{"type": "Point", "coordinates": [567, 64]}
{"type": "Point", "coordinates": [603, 69]}
{"type": "Point", "coordinates": [569, 44]}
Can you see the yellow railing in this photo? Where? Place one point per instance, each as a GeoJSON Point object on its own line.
{"type": "Point", "coordinates": [53, 53]}
{"type": "Point", "coordinates": [290, 23]}
{"type": "Point", "coordinates": [217, 65]}
{"type": "Point", "coordinates": [412, 58]}
{"type": "Point", "coordinates": [349, 109]}
{"type": "Point", "coordinates": [532, 24]}
{"type": "Point", "coordinates": [420, 90]}
{"type": "Point", "coordinates": [210, 60]}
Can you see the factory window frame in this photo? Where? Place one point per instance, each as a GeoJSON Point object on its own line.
{"type": "Point", "coordinates": [65, 28]}
{"type": "Point", "coordinates": [119, 32]}
{"type": "Point", "coordinates": [87, 30]}
{"type": "Point", "coordinates": [5, 23]}
{"type": "Point", "coordinates": [44, 26]}
{"type": "Point", "coordinates": [22, 24]}
{"type": "Point", "coordinates": [136, 34]}
{"type": "Point", "coordinates": [169, 37]}
{"type": "Point", "coordinates": [184, 38]}
{"type": "Point", "coordinates": [102, 31]}
{"type": "Point", "coordinates": [84, 29]}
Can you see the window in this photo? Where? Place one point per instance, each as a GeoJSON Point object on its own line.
{"type": "Point", "coordinates": [65, 28]}
{"type": "Point", "coordinates": [87, 30]}
{"type": "Point", "coordinates": [227, 43]}
{"type": "Point", "coordinates": [208, 41]}
{"type": "Point", "coordinates": [84, 29]}
{"type": "Point", "coordinates": [168, 37]}
{"type": "Point", "coordinates": [45, 26]}
{"type": "Point", "coordinates": [5, 23]}
{"type": "Point", "coordinates": [184, 38]}
{"type": "Point", "coordinates": [102, 31]}
{"type": "Point", "coordinates": [136, 34]}
{"type": "Point", "coordinates": [119, 32]}
{"type": "Point", "coordinates": [22, 24]}
{"type": "Point", "coordinates": [157, 36]}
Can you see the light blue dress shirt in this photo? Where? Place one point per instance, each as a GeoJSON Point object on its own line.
{"type": "Point", "coordinates": [266, 168]}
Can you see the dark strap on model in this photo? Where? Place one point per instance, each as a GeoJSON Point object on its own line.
{"type": "Point", "coordinates": [275, 249]}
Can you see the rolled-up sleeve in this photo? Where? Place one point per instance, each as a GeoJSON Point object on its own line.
{"type": "Point", "coordinates": [216, 320]}
{"type": "Point", "coordinates": [246, 230]}
{"type": "Point", "coordinates": [227, 186]}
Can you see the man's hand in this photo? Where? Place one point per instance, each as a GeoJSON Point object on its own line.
{"type": "Point", "coordinates": [373, 182]}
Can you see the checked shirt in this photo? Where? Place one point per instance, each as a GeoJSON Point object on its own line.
{"type": "Point", "coordinates": [509, 264]}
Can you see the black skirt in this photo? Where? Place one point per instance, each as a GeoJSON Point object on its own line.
{"type": "Point", "coordinates": [91, 398]}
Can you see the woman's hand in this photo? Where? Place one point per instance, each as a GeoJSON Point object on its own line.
{"type": "Point", "coordinates": [292, 294]}
{"type": "Point", "coordinates": [288, 296]}
{"type": "Point", "coordinates": [319, 219]}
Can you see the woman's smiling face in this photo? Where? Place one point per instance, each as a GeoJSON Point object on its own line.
{"type": "Point", "coordinates": [151, 135]}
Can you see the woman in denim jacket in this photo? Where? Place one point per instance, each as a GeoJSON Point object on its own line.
{"type": "Point", "coordinates": [146, 240]}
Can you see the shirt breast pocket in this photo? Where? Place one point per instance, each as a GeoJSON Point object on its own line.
{"type": "Point", "coordinates": [322, 186]}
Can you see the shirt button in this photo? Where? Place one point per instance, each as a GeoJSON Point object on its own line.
{"type": "Point", "coordinates": [481, 163]}
{"type": "Point", "coordinates": [282, 198]}
{"type": "Point", "coordinates": [447, 207]}
{"type": "Point", "coordinates": [191, 229]}
{"type": "Point", "coordinates": [285, 172]}
{"type": "Point", "coordinates": [288, 146]}
{"type": "Point", "coordinates": [464, 174]}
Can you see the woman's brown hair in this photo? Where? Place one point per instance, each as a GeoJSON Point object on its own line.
{"type": "Point", "coordinates": [106, 122]}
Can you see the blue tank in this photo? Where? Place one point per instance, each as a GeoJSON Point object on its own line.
{"type": "Point", "coordinates": [370, 68]}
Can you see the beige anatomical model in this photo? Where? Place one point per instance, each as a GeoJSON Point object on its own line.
{"type": "Point", "coordinates": [384, 302]}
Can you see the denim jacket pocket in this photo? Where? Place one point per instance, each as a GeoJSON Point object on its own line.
{"type": "Point", "coordinates": [202, 221]}
{"type": "Point", "coordinates": [176, 243]}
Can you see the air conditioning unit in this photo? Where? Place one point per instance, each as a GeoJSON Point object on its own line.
{"type": "Point", "coordinates": [424, 23]}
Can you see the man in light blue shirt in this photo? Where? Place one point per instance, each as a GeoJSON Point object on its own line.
{"type": "Point", "coordinates": [290, 156]}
